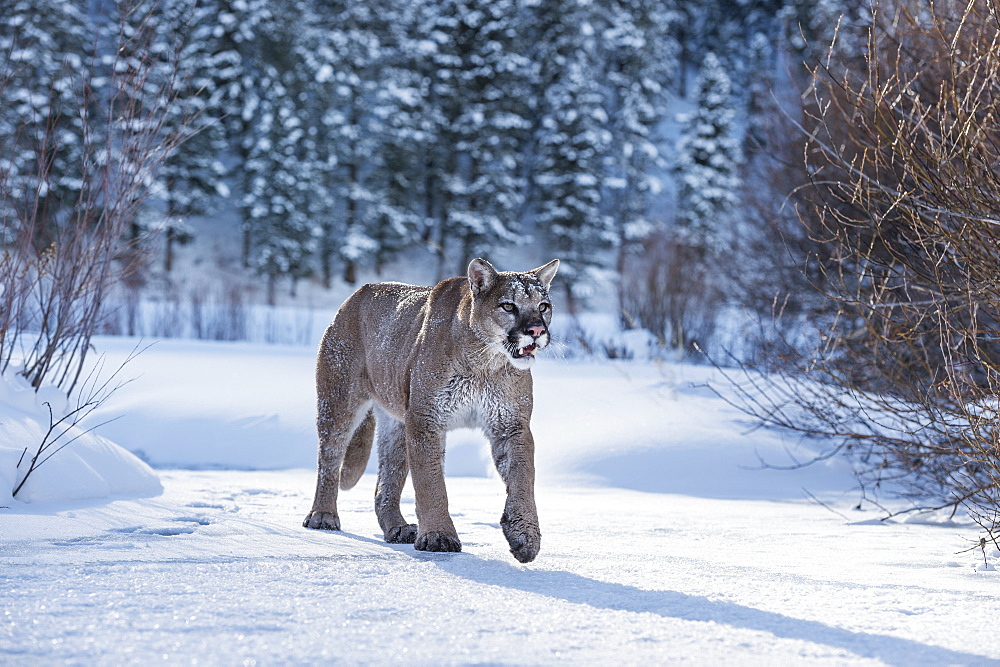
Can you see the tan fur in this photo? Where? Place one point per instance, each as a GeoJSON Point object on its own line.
{"type": "Point", "coordinates": [421, 361]}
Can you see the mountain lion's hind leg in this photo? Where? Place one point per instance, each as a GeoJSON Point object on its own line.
{"type": "Point", "coordinates": [341, 409]}
{"type": "Point", "coordinates": [392, 471]}
{"type": "Point", "coordinates": [335, 433]}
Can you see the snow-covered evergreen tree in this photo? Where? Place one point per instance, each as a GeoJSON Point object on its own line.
{"type": "Point", "coordinates": [426, 128]}
{"type": "Point", "coordinates": [374, 130]}
{"type": "Point", "coordinates": [495, 128]}
{"type": "Point", "coordinates": [399, 218]}
{"type": "Point", "coordinates": [641, 55]}
{"type": "Point", "coordinates": [283, 236]}
{"type": "Point", "coordinates": [606, 66]}
{"type": "Point", "coordinates": [477, 111]}
{"type": "Point", "coordinates": [573, 144]}
{"type": "Point", "coordinates": [46, 50]}
{"type": "Point", "coordinates": [708, 159]}
{"type": "Point", "coordinates": [345, 54]}
{"type": "Point", "coordinates": [146, 82]}
{"type": "Point", "coordinates": [237, 60]}
{"type": "Point", "coordinates": [279, 174]}
{"type": "Point", "coordinates": [193, 172]}
{"type": "Point", "coordinates": [573, 147]}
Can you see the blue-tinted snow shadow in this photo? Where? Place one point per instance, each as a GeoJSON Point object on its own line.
{"type": "Point", "coordinates": [704, 472]}
{"type": "Point", "coordinates": [577, 589]}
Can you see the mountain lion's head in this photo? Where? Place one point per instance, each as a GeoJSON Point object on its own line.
{"type": "Point", "coordinates": [511, 310]}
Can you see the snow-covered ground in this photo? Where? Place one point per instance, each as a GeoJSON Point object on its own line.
{"type": "Point", "coordinates": [662, 538]}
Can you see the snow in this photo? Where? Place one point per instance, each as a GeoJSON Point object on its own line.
{"type": "Point", "coordinates": [663, 540]}
{"type": "Point", "coordinates": [88, 466]}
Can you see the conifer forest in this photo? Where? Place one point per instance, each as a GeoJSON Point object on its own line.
{"type": "Point", "coordinates": [337, 135]}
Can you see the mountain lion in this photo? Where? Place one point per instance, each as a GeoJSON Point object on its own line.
{"type": "Point", "coordinates": [421, 361]}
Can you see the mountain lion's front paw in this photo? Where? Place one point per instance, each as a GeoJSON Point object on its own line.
{"type": "Point", "coordinates": [406, 534]}
{"type": "Point", "coordinates": [524, 539]}
{"type": "Point", "coordinates": [322, 521]}
{"type": "Point", "coordinates": [524, 547]}
{"type": "Point", "coordinates": [434, 541]}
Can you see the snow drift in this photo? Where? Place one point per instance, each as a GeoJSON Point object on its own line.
{"type": "Point", "coordinates": [83, 465]}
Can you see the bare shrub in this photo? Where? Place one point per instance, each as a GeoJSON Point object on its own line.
{"type": "Point", "coordinates": [168, 317]}
{"type": "Point", "coordinates": [220, 314]}
{"type": "Point", "coordinates": [59, 265]}
{"type": "Point", "coordinates": [59, 261]}
{"type": "Point", "coordinates": [673, 290]}
{"type": "Point", "coordinates": [903, 367]}
{"type": "Point", "coordinates": [231, 318]}
{"type": "Point", "coordinates": [63, 431]}
{"type": "Point", "coordinates": [197, 312]}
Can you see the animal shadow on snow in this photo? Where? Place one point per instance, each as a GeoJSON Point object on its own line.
{"type": "Point", "coordinates": [577, 589]}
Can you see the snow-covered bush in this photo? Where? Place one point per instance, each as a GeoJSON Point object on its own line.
{"type": "Point", "coordinates": [40, 432]}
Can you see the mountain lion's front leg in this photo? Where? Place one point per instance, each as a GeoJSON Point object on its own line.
{"type": "Point", "coordinates": [425, 452]}
{"type": "Point", "coordinates": [514, 455]}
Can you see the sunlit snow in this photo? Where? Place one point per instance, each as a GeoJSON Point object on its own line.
{"type": "Point", "coordinates": [662, 538]}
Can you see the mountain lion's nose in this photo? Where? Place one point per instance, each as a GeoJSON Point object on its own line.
{"type": "Point", "coordinates": [535, 330]}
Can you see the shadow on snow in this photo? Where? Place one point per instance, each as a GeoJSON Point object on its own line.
{"type": "Point", "coordinates": [577, 589]}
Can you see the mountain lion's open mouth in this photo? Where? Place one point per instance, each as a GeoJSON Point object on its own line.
{"type": "Point", "coordinates": [526, 351]}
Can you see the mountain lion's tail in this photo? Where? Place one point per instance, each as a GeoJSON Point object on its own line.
{"type": "Point", "coordinates": [358, 450]}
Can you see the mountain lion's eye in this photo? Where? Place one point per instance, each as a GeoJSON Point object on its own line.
{"type": "Point", "coordinates": [508, 307]}
{"type": "Point", "coordinates": [542, 307]}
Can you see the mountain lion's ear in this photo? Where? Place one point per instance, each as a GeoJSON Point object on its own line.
{"type": "Point", "coordinates": [547, 273]}
{"type": "Point", "coordinates": [482, 275]}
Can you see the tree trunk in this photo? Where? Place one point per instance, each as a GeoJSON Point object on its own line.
{"type": "Point", "coordinates": [168, 260]}
{"type": "Point", "coordinates": [571, 305]}
{"type": "Point", "coordinates": [246, 246]}
{"type": "Point", "coordinates": [350, 268]}
{"type": "Point", "coordinates": [325, 256]}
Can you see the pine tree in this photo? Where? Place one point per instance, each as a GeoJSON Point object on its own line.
{"type": "Point", "coordinates": [641, 55]}
{"type": "Point", "coordinates": [477, 111]}
{"type": "Point", "coordinates": [237, 57]}
{"type": "Point", "coordinates": [283, 237]}
{"type": "Point", "coordinates": [496, 129]}
{"type": "Point", "coordinates": [46, 47]}
{"type": "Point", "coordinates": [428, 126]}
{"type": "Point", "coordinates": [573, 144]}
{"type": "Point", "coordinates": [345, 54]}
{"type": "Point", "coordinates": [398, 221]}
{"type": "Point", "coordinates": [279, 176]}
{"type": "Point", "coordinates": [192, 173]}
{"type": "Point", "coordinates": [707, 161]}
{"type": "Point", "coordinates": [146, 81]}
{"type": "Point", "coordinates": [606, 67]}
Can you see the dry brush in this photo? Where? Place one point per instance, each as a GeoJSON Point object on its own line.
{"type": "Point", "coordinates": [902, 360]}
